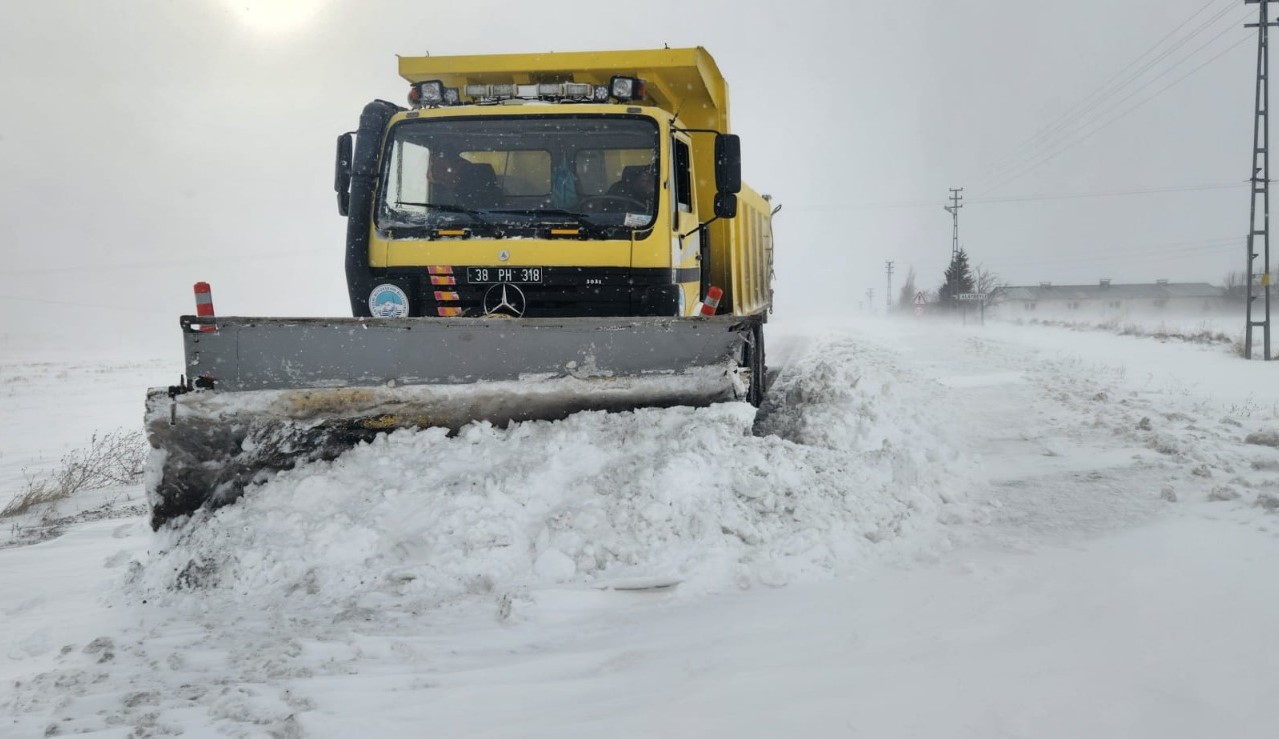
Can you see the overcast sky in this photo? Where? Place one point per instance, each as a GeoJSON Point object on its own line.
{"type": "Point", "coordinates": [148, 144]}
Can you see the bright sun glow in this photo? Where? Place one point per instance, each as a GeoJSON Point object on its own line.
{"type": "Point", "coordinates": [273, 17]}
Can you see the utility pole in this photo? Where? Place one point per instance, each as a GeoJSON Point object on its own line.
{"type": "Point", "coordinates": [889, 266]}
{"type": "Point", "coordinates": [956, 198]}
{"type": "Point", "coordinates": [870, 299]}
{"type": "Point", "coordinates": [1259, 222]}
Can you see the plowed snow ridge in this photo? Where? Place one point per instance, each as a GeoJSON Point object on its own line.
{"type": "Point", "coordinates": [842, 462]}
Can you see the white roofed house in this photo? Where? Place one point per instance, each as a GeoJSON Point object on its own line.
{"type": "Point", "coordinates": [1106, 301]}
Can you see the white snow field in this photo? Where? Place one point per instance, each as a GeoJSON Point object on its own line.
{"type": "Point", "coordinates": [929, 530]}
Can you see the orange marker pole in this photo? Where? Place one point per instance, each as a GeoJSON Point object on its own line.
{"type": "Point", "coordinates": [710, 303]}
{"type": "Point", "coordinates": [204, 306]}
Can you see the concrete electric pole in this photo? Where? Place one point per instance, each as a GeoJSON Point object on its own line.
{"type": "Point", "coordinates": [1259, 220]}
{"type": "Point", "coordinates": [888, 265]}
{"type": "Point", "coordinates": [956, 198]}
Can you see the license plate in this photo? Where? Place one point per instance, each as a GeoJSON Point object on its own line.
{"type": "Point", "coordinates": [487, 275]}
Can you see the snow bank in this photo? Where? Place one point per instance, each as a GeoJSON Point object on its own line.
{"type": "Point", "coordinates": [842, 463]}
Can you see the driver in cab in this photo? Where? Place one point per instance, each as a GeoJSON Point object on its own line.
{"type": "Point", "coordinates": [457, 182]}
{"type": "Point", "coordinates": [637, 184]}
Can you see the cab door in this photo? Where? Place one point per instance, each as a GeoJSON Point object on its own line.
{"type": "Point", "coordinates": [690, 250]}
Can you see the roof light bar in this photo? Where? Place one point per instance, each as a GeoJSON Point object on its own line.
{"type": "Point", "coordinates": [433, 93]}
{"type": "Point", "coordinates": [555, 91]}
{"type": "Point", "coordinates": [490, 92]}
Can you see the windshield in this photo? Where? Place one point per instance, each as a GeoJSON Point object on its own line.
{"type": "Point", "coordinates": [510, 174]}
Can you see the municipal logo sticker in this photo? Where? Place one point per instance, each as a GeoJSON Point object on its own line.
{"type": "Point", "coordinates": [388, 301]}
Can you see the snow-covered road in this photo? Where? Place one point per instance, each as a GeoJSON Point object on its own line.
{"type": "Point", "coordinates": [928, 531]}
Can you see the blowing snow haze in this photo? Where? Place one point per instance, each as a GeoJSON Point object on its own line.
{"type": "Point", "coordinates": [633, 523]}
{"type": "Point", "coordinates": [148, 145]}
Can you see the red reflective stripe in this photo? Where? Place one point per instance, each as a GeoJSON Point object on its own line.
{"type": "Point", "coordinates": [441, 295]}
{"type": "Point", "coordinates": [449, 312]}
{"type": "Point", "coordinates": [443, 280]}
{"type": "Point", "coordinates": [439, 270]}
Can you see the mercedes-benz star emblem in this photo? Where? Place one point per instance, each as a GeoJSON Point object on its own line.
{"type": "Point", "coordinates": [504, 299]}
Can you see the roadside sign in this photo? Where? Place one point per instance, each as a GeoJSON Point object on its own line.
{"type": "Point", "coordinates": [970, 296]}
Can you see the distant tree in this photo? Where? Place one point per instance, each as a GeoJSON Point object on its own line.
{"type": "Point", "coordinates": [989, 284]}
{"type": "Point", "coordinates": [906, 298]}
{"type": "Point", "coordinates": [1236, 287]}
{"type": "Point", "coordinates": [959, 279]}
{"type": "Point", "coordinates": [1236, 284]}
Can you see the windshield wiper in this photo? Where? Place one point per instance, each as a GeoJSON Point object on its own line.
{"type": "Point", "coordinates": [471, 212]}
{"type": "Point", "coordinates": [580, 219]}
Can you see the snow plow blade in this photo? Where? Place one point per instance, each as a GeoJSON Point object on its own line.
{"type": "Point", "coordinates": [264, 394]}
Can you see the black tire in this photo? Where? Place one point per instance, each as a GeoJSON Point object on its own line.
{"type": "Point", "coordinates": [755, 362]}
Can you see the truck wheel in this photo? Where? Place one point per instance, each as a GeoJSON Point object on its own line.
{"type": "Point", "coordinates": [756, 364]}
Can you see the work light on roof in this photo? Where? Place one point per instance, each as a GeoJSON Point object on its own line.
{"type": "Point", "coordinates": [626, 89]}
{"type": "Point", "coordinates": [432, 93]}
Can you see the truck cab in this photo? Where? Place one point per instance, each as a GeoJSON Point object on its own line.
{"type": "Point", "coordinates": [551, 185]}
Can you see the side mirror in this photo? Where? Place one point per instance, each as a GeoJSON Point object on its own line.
{"type": "Point", "coordinates": [725, 205]}
{"type": "Point", "coordinates": [342, 172]}
{"type": "Point", "coordinates": [728, 163]}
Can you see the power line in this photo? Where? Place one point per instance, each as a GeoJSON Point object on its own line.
{"type": "Point", "coordinates": [1107, 123]}
{"type": "Point", "coordinates": [95, 306]}
{"type": "Point", "coordinates": [1030, 198]}
{"type": "Point", "coordinates": [1174, 250]}
{"type": "Point", "coordinates": [1075, 119]}
{"type": "Point", "coordinates": [1090, 101]}
{"type": "Point", "coordinates": [152, 264]}
{"type": "Point", "coordinates": [1115, 193]}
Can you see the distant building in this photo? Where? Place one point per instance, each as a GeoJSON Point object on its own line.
{"type": "Point", "coordinates": [1105, 300]}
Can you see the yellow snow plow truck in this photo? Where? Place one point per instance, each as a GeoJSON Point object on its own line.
{"type": "Point", "coordinates": [533, 236]}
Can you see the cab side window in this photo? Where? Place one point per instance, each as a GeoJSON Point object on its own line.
{"type": "Point", "coordinates": [683, 176]}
